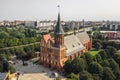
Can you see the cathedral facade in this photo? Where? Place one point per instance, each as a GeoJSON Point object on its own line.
{"type": "Point", "coordinates": [55, 52]}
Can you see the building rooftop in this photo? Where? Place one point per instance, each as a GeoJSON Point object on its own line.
{"type": "Point", "coordinates": [74, 43]}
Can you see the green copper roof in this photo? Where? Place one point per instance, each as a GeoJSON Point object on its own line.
{"type": "Point", "coordinates": [58, 28]}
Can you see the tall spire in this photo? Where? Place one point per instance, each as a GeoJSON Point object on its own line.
{"type": "Point", "coordinates": [58, 28]}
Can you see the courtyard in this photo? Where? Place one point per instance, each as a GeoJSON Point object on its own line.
{"type": "Point", "coordinates": [33, 71]}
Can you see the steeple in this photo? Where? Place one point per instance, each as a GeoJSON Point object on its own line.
{"type": "Point", "coordinates": [58, 28]}
{"type": "Point", "coordinates": [59, 33]}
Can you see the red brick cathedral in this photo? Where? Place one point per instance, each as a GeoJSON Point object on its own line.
{"type": "Point", "coordinates": [55, 52]}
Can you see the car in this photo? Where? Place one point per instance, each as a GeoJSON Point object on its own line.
{"type": "Point", "coordinates": [54, 75]}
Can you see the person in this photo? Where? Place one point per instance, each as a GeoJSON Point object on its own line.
{"type": "Point", "coordinates": [23, 73]}
{"type": "Point", "coordinates": [18, 75]}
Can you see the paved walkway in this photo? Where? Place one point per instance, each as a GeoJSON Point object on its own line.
{"type": "Point", "coordinates": [33, 72]}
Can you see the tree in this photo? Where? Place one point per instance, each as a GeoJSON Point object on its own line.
{"type": "Point", "coordinates": [1, 66]}
{"type": "Point", "coordinates": [37, 47]}
{"type": "Point", "coordinates": [58, 78]}
{"type": "Point", "coordinates": [12, 69]}
{"type": "Point", "coordinates": [66, 29]}
{"type": "Point", "coordinates": [2, 44]}
{"type": "Point", "coordinates": [117, 58]}
{"type": "Point", "coordinates": [103, 54]}
{"type": "Point", "coordinates": [95, 68]}
{"type": "Point", "coordinates": [2, 57]}
{"type": "Point", "coordinates": [94, 41]}
{"type": "Point", "coordinates": [30, 33]}
{"type": "Point", "coordinates": [88, 58]}
{"type": "Point", "coordinates": [98, 58]}
{"type": "Point", "coordinates": [78, 65]}
{"type": "Point", "coordinates": [105, 63]}
{"type": "Point", "coordinates": [115, 67]}
{"type": "Point", "coordinates": [12, 42]}
{"type": "Point", "coordinates": [30, 54]}
{"type": "Point", "coordinates": [98, 46]}
{"type": "Point", "coordinates": [27, 48]}
{"type": "Point", "coordinates": [19, 35]}
{"type": "Point", "coordinates": [23, 57]}
{"type": "Point", "coordinates": [5, 66]}
{"type": "Point", "coordinates": [84, 75]}
{"type": "Point", "coordinates": [73, 77]}
{"type": "Point", "coordinates": [32, 47]}
{"type": "Point", "coordinates": [108, 74]}
{"type": "Point", "coordinates": [67, 67]}
{"type": "Point", "coordinates": [110, 51]}
{"type": "Point", "coordinates": [4, 35]}
{"type": "Point", "coordinates": [96, 77]}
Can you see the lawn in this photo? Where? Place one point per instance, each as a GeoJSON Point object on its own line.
{"type": "Point", "coordinates": [118, 52]}
{"type": "Point", "coordinates": [93, 52]}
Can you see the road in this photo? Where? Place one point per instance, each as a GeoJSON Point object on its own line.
{"type": "Point", "coordinates": [19, 46]}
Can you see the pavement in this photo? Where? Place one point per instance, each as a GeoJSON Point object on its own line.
{"type": "Point", "coordinates": [33, 71]}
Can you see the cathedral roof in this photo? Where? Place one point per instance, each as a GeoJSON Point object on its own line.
{"type": "Point", "coordinates": [83, 37]}
{"type": "Point", "coordinates": [47, 37]}
{"type": "Point", "coordinates": [58, 28]}
{"type": "Point", "coordinates": [74, 43]}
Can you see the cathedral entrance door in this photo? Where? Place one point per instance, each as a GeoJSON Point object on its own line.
{"type": "Point", "coordinates": [49, 61]}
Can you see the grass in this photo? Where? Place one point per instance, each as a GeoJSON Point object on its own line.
{"type": "Point", "coordinates": [35, 62]}
{"type": "Point", "coordinates": [93, 52]}
{"type": "Point", "coordinates": [118, 52]}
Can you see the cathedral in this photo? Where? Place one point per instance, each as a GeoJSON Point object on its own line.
{"type": "Point", "coordinates": [56, 51]}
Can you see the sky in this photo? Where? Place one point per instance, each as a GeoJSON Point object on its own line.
{"type": "Point", "coordinates": [89, 10]}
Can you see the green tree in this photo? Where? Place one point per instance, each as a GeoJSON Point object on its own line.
{"type": "Point", "coordinates": [1, 66]}
{"type": "Point", "coordinates": [96, 77]}
{"type": "Point", "coordinates": [5, 66]}
{"type": "Point", "coordinates": [105, 63]}
{"type": "Point", "coordinates": [73, 77]}
{"type": "Point", "coordinates": [19, 35]}
{"type": "Point", "coordinates": [78, 65]}
{"type": "Point", "coordinates": [58, 78]}
{"type": "Point", "coordinates": [95, 68]}
{"type": "Point", "coordinates": [30, 54]}
{"type": "Point", "coordinates": [98, 46]}
{"type": "Point", "coordinates": [67, 67]}
{"type": "Point", "coordinates": [4, 35]}
{"type": "Point", "coordinates": [110, 51]}
{"type": "Point", "coordinates": [103, 54]}
{"type": "Point", "coordinates": [12, 69]}
{"type": "Point", "coordinates": [30, 33]}
{"type": "Point", "coordinates": [2, 44]}
{"type": "Point", "coordinates": [108, 74]}
{"type": "Point", "coordinates": [98, 58]}
{"type": "Point", "coordinates": [117, 58]}
{"type": "Point", "coordinates": [12, 42]}
{"type": "Point", "coordinates": [85, 76]}
{"type": "Point", "coordinates": [88, 58]}
{"type": "Point", "coordinates": [115, 67]}
{"type": "Point", "coordinates": [23, 56]}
